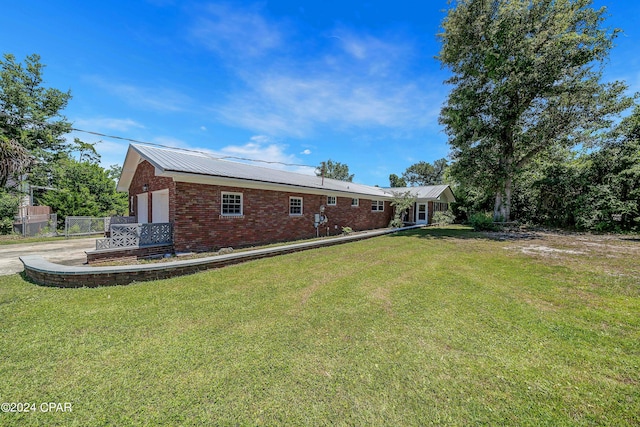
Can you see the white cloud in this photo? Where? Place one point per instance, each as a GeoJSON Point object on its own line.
{"type": "Point", "coordinates": [267, 152]}
{"type": "Point", "coordinates": [156, 98]}
{"type": "Point", "coordinates": [306, 152]}
{"type": "Point", "coordinates": [290, 105]}
{"type": "Point", "coordinates": [355, 81]}
{"type": "Point", "coordinates": [239, 33]}
{"type": "Point", "coordinates": [107, 123]}
{"type": "Point", "coordinates": [369, 55]}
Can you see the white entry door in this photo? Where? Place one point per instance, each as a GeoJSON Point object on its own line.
{"type": "Point", "coordinates": [143, 208]}
{"type": "Point", "coordinates": [160, 206]}
{"type": "Point", "coordinates": [422, 213]}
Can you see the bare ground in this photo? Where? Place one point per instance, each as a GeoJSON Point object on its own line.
{"type": "Point", "coordinates": [613, 254]}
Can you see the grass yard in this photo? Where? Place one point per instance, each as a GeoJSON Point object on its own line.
{"type": "Point", "coordinates": [428, 327]}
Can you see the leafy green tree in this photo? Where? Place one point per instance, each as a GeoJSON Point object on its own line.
{"type": "Point", "coordinates": [395, 181]}
{"type": "Point", "coordinates": [8, 209]}
{"type": "Point", "coordinates": [525, 81]}
{"type": "Point", "coordinates": [598, 189]}
{"type": "Point", "coordinates": [613, 181]}
{"type": "Point", "coordinates": [334, 170]}
{"type": "Point", "coordinates": [83, 189]}
{"type": "Point", "coordinates": [30, 114]}
{"type": "Point", "coordinates": [548, 191]}
{"type": "Point", "coordinates": [401, 203]}
{"type": "Point", "coordinates": [424, 173]}
{"type": "Point", "coordinates": [86, 151]}
{"type": "Point", "coordinates": [114, 172]}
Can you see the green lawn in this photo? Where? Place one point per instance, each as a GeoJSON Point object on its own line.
{"type": "Point", "coordinates": [429, 327]}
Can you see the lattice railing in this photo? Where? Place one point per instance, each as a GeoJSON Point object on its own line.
{"type": "Point", "coordinates": [155, 234]}
{"type": "Point", "coordinates": [136, 235]}
{"type": "Point", "coordinates": [125, 235]}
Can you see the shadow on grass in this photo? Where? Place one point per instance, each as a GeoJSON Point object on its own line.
{"type": "Point", "coordinates": [464, 232]}
{"type": "Point", "coordinates": [457, 232]}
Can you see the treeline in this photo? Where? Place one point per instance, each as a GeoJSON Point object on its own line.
{"type": "Point", "coordinates": [536, 134]}
{"type": "Point", "coordinates": [36, 156]}
{"type": "Point", "coordinates": [596, 189]}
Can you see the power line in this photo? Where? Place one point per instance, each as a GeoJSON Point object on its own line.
{"type": "Point", "coordinates": [193, 151]}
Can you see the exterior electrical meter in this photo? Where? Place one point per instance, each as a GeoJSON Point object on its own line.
{"type": "Point", "coordinates": [319, 219]}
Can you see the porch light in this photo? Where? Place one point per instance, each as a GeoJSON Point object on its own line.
{"type": "Point", "coordinates": [145, 187]}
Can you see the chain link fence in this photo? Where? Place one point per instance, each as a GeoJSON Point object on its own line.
{"type": "Point", "coordinates": [36, 225]}
{"type": "Point", "coordinates": [85, 225]}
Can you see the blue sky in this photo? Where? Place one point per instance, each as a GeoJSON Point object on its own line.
{"type": "Point", "coordinates": [293, 82]}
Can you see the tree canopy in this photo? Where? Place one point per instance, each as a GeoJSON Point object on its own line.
{"type": "Point", "coordinates": [396, 181]}
{"type": "Point", "coordinates": [334, 170]}
{"type": "Point", "coordinates": [424, 173]}
{"type": "Point", "coordinates": [525, 81]}
{"type": "Point", "coordinates": [83, 188]}
{"type": "Point", "coordinates": [32, 126]}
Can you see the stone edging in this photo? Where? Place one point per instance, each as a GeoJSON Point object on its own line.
{"type": "Point", "coordinates": [46, 273]}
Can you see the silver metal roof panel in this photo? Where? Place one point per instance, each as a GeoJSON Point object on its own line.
{"type": "Point", "coordinates": [195, 162]}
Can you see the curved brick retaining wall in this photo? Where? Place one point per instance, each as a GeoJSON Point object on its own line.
{"type": "Point", "coordinates": [43, 272]}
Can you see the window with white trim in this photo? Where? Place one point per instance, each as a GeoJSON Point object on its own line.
{"type": "Point", "coordinates": [440, 206]}
{"type": "Point", "coordinates": [231, 204]}
{"type": "Point", "coordinates": [332, 201]}
{"type": "Point", "coordinates": [355, 202]}
{"type": "Point", "coordinates": [377, 205]}
{"type": "Point", "coordinates": [295, 206]}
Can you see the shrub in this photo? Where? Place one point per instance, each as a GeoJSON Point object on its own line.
{"type": "Point", "coordinates": [8, 209]}
{"type": "Point", "coordinates": [443, 218]}
{"type": "Point", "coordinates": [6, 225]}
{"type": "Point", "coordinates": [347, 230]}
{"type": "Point", "coordinates": [482, 222]}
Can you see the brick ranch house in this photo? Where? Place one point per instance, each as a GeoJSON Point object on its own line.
{"type": "Point", "coordinates": [213, 203]}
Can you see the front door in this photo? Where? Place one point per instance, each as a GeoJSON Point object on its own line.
{"type": "Point", "coordinates": [422, 213]}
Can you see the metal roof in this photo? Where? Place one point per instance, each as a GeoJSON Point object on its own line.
{"type": "Point", "coordinates": [423, 192]}
{"type": "Point", "coordinates": [173, 160]}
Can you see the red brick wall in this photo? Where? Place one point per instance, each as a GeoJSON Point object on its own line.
{"type": "Point", "coordinates": [145, 174]}
{"type": "Point", "coordinates": [199, 225]}
{"type": "Point", "coordinates": [195, 210]}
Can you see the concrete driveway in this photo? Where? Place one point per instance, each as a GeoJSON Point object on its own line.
{"type": "Point", "coordinates": [67, 252]}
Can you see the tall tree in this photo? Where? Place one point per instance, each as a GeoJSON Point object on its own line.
{"type": "Point", "coordinates": [14, 159]}
{"type": "Point", "coordinates": [395, 181]}
{"type": "Point", "coordinates": [525, 80]}
{"type": "Point", "coordinates": [424, 173]}
{"type": "Point", "coordinates": [83, 188]}
{"type": "Point", "coordinates": [334, 170]}
{"type": "Point", "coordinates": [86, 151]}
{"type": "Point", "coordinates": [30, 114]}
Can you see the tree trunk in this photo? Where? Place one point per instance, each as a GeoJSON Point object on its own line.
{"type": "Point", "coordinates": [502, 207]}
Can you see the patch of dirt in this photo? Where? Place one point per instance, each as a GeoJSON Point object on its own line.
{"type": "Point", "coordinates": [546, 250]}
{"type": "Point", "coordinates": [512, 235]}
{"type": "Point", "coordinates": [610, 254]}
